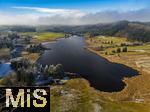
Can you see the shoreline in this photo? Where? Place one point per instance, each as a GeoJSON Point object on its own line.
{"type": "Point", "coordinates": [43, 42]}
{"type": "Point", "coordinates": [89, 49]}
{"type": "Point", "coordinates": [47, 42]}
{"type": "Point", "coordinates": [136, 87]}
{"type": "Point", "coordinates": [126, 92]}
{"type": "Point", "coordinates": [108, 59]}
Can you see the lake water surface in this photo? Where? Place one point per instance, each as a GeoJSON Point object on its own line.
{"type": "Point", "coordinates": [102, 74]}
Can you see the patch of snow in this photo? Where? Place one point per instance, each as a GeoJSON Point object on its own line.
{"type": "Point", "coordinates": [97, 107]}
{"type": "Point", "coordinates": [139, 100]}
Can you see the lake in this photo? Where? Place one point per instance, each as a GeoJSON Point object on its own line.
{"type": "Point", "coordinates": [71, 53]}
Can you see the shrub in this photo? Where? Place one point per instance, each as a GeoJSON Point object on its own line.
{"type": "Point", "coordinates": [125, 49]}
{"type": "Point", "coordinates": [118, 50]}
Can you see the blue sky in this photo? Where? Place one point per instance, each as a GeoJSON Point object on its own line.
{"type": "Point", "coordinates": [86, 5]}
{"type": "Point", "coordinates": [72, 11]}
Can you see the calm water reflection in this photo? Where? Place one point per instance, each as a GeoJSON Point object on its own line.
{"type": "Point", "coordinates": [102, 74]}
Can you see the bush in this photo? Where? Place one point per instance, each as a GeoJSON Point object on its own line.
{"type": "Point", "coordinates": [59, 71]}
{"type": "Point", "coordinates": [118, 50]}
{"type": "Point", "coordinates": [113, 51]}
{"type": "Point", "coordinates": [53, 71]}
{"type": "Point", "coordinates": [125, 49]}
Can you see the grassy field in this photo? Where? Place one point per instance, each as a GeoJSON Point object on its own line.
{"type": "Point", "coordinates": [4, 53]}
{"type": "Point", "coordinates": [78, 96]}
{"type": "Point", "coordinates": [44, 36]}
{"type": "Point", "coordinates": [137, 57]}
{"type": "Point", "coordinates": [113, 42]}
{"type": "Point", "coordinates": [144, 47]}
{"type": "Point", "coordinates": [33, 57]}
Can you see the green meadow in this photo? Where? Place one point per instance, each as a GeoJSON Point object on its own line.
{"type": "Point", "coordinates": [44, 35]}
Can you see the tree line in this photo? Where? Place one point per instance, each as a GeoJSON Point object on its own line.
{"type": "Point", "coordinates": [25, 73]}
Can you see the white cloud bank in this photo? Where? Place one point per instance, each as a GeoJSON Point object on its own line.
{"type": "Point", "coordinates": [47, 16]}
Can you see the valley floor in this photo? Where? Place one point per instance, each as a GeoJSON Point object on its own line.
{"type": "Point", "coordinates": [76, 95]}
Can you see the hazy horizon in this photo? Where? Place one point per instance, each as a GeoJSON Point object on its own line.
{"type": "Point", "coordinates": [66, 12]}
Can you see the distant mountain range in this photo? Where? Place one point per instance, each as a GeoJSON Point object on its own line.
{"type": "Point", "coordinates": [131, 30]}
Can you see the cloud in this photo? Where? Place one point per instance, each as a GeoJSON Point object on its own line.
{"type": "Point", "coordinates": [53, 12]}
{"type": "Point", "coordinates": [47, 16]}
{"type": "Point", "coordinates": [100, 17]}
{"type": "Point", "coordinates": [20, 19]}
